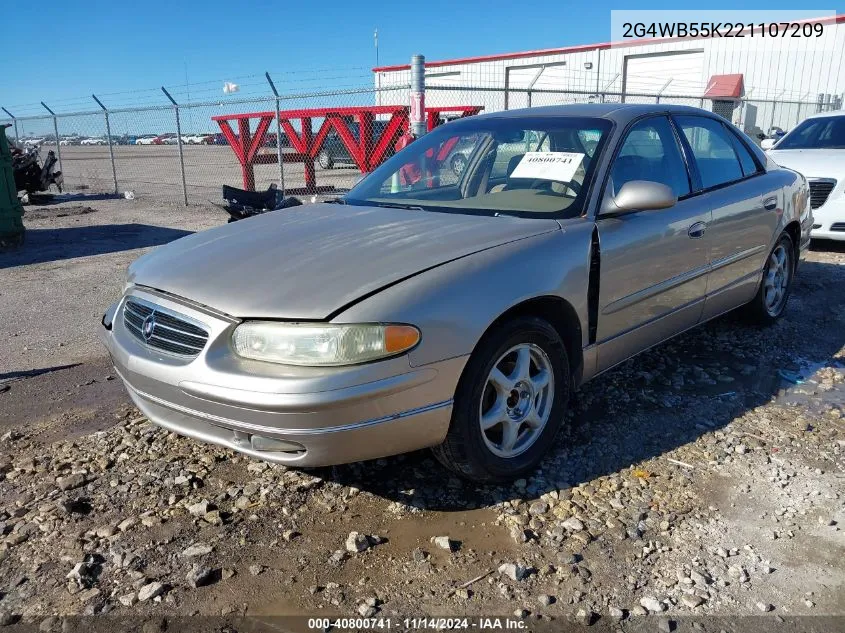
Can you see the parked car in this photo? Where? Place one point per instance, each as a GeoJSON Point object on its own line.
{"type": "Point", "coordinates": [816, 148]}
{"type": "Point", "coordinates": [94, 140]}
{"type": "Point", "coordinates": [167, 139]}
{"type": "Point", "coordinates": [146, 139]}
{"type": "Point", "coordinates": [334, 151]}
{"type": "Point", "coordinates": [467, 312]}
{"type": "Point", "coordinates": [198, 139]}
{"type": "Point", "coordinates": [270, 140]}
{"type": "Point", "coordinates": [123, 139]}
{"type": "Point", "coordinates": [219, 139]}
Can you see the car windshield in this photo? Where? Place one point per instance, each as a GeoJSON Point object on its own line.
{"type": "Point", "coordinates": [527, 166]}
{"type": "Point", "coordinates": [820, 133]}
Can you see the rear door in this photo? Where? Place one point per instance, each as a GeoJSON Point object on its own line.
{"type": "Point", "coordinates": [746, 205]}
{"type": "Point", "coordinates": [654, 263]}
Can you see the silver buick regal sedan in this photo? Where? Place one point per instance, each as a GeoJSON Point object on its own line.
{"type": "Point", "coordinates": [458, 311]}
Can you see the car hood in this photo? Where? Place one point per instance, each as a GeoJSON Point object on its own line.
{"type": "Point", "coordinates": [307, 262]}
{"type": "Point", "coordinates": [813, 163]}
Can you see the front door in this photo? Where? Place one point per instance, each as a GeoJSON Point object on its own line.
{"type": "Point", "coordinates": [654, 263]}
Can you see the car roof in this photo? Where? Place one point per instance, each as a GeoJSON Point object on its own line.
{"type": "Point", "coordinates": [617, 112]}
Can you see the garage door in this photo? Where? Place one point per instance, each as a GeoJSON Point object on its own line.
{"type": "Point", "coordinates": [647, 74]}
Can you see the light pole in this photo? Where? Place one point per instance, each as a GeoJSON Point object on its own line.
{"type": "Point", "coordinates": [378, 75]}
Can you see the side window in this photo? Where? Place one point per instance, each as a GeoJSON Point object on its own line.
{"type": "Point", "coordinates": [590, 140]}
{"type": "Point", "coordinates": [713, 150]}
{"type": "Point", "coordinates": [651, 152]}
{"type": "Point", "coordinates": [746, 161]}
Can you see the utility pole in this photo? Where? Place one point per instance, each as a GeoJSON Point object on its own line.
{"type": "Point", "coordinates": [378, 74]}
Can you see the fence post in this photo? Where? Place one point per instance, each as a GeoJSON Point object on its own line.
{"type": "Point", "coordinates": [278, 135]}
{"type": "Point", "coordinates": [15, 121]}
{"type": "Point", "coordinates": [179, 143]}
{"type": "Point", "coordinates": [108, 138]}
{"type": "Point", "coordinates": [507, 86]}
{"type": "Point", "coordinates": [418, 122]}
{"type": "Point", "coordinates": [774, 107]}
{"type": "Point", "coordinates": [660, 92]}
{"type": "Point", "coordinates": [56, 132]}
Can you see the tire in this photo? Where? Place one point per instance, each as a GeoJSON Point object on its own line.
{"type": "Point", "coordinates": [324, 160]}
{"type": "Point", "coordinates": [482, 455]}
{"type": "Point", "coordinates": [763, 309]}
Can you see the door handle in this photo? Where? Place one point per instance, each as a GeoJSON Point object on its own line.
{"type": "Point", "coordinates": [770, 204]}
{"type": "Point", "coordinates": [696, 231]}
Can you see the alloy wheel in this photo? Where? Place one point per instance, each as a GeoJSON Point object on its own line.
{"type": "Point", "coordinates": [776, 280]}
{"type": "Point", "coordinates": [517, 400]}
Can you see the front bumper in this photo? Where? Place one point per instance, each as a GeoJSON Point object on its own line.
{"type": "Point", "coordinates": [829, 219]}
{"type": "Point", "coordinates": [289, 415]}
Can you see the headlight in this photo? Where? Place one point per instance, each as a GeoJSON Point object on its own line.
{"type": "Point", "coordinates": [322, 344]}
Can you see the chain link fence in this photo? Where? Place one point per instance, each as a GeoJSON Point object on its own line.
{"type": "Point", "coordinates": [182, 154]}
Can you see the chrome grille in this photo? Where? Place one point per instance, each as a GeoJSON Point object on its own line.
{"type": "Point", "coordinates": [819, 191]}
{"type": "Point", "coordinates": [838, 226]}
{"type": "Point", "coordinates": [165, 330]}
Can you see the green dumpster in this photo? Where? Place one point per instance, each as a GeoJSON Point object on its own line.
{"type": "Point", "coordinates": [11, 209]}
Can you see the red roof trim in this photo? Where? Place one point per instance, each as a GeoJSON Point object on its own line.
{"type": "Point", "coordinates": [836, 19]}
{"type": "Point", "coordinates": [721, 86]}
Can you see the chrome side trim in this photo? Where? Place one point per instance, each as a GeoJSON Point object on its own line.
{"type": "Point", "coordinates": [272, 430]}
{"type": "Point", "coordinates": [688, 304]}
{"type": "Point", "coordinates": [732, 259]}
{"type": "Point", "coordinates": [664, 286]}
{"type": "Point", "coordinates": [656, 289]}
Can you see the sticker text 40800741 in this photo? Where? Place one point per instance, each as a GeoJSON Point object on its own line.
{"type": "Point", "coordinates": [722, 29]}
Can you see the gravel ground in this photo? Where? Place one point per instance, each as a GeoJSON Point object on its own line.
{"type": "Point", "coordinates": [693, 485]}
{"type": "Point", "coordinates": [152, 171]}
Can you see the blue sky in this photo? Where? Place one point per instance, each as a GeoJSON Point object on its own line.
{"type": "Point", "coordinates": [124, 50]}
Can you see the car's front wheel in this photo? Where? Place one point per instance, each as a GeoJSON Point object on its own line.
{"type": "Point", "coordinates": [509, 404]}
{"type": "Point", "coordinates": [769, 303]}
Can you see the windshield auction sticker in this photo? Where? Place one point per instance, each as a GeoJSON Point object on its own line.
{"type": "Point", "coordinates": [557, 166]}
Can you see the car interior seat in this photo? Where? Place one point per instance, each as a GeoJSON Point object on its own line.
{"type": "Point", "coordinates": [512, 183]}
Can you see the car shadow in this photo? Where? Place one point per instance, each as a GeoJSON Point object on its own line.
{"type": "Point", "coordinates": [31, 373]}
{"type": "Point", "coordinates": [664, 398]}
{"type": "Point", "coordinates": [48, 244]}
{"type": "Point", "coordinates": [827, 246]}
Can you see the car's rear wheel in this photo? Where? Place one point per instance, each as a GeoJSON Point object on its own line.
{"type": "Point", "coordinates": [509, 403]}
{"type": "Point", "coordinates": [769, 303]}
{"type": "Point", "coordinates": [324, 160]}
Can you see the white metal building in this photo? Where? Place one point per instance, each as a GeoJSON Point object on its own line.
{"type": "Point", "coordinates": [756, 82]}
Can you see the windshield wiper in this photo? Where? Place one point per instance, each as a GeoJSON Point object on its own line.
{"type": "Point", "coordinates": [395, 205]}
{"type": "Point", "coordinates": [335, 201]}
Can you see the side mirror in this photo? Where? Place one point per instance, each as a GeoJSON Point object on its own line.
{"type": "Point", "coordinates": [768, 143]}
{"type": "Point", "coordinates": [641, 195]}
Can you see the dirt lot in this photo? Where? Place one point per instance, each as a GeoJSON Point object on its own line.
{"type": "Point", "coordinates": [701, 483]}
{"type": "Point", "coordinates": [152, 171]}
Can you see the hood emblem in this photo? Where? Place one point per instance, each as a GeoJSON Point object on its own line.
{"type": "Point", "coordinates": [148, 326]}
